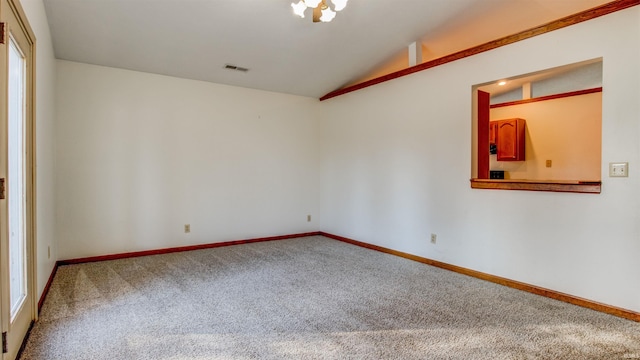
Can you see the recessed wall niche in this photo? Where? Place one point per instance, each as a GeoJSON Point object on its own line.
{"type": "Point", "coordinates": [561, 113]}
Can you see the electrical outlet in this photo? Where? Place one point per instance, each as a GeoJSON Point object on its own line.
{"type": "Point", "coordinates": [308, 218]}
{"type": "Point", "coordinates": [548, 163]}
{"type": "Point", "coordinates": [433, 238]}
{"type": "Point", "coordinates": [620, 169]}
{"type": "Point", "coordinates": [187, 228]}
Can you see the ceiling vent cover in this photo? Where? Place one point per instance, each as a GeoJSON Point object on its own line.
{"type": "Point", "coordinates": [234, 67]}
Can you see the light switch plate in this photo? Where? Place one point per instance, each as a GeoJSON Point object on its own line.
{"type": "Point", "coordinates": [618, 169]}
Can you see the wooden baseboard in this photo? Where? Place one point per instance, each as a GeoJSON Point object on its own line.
{"type": "Point", "coordinates": [613, 310]}
{"type": "Point", "coordinates": [47, 287]}
{"type": "Point", "coordinates": [157, 252]}
{"type": "Point", "coordinates": [181, 249]}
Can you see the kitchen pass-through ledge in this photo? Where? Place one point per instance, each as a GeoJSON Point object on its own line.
{"type": "Point", "coordinates": [575, 186]}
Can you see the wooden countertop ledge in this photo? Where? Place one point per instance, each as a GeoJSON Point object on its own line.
{"type": "Point", "coordinates": [575, 186]}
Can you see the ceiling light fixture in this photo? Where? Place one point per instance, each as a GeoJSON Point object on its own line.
{"type": "Point", "coordinates": [502, 83]}
{"type": "Point", "coordinates": [321, 11]}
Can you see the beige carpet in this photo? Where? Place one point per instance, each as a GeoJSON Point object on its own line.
{"type": "Point", "coordinates": [308, 298]}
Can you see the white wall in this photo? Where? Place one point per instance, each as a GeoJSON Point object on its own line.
{"type": "Point", "coordinates": [45, 121]}
{"type": "Point", "coordinates": [396, 166]}
{"type": "Point", "coordinates": [566, 131]}
{"type": "Point", "coordinates": [140, 155]}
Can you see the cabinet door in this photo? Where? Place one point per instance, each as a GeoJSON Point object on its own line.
{"type": "Point", "coordinates": [510, 140]}
{"type": "Point", "coordinates": [493, 130]}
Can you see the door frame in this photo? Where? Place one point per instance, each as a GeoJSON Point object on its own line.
{"type": "Point", "coordinates": [30, 161]}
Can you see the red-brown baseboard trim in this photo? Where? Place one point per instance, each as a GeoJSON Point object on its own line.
{"type": "Point", "coordinates": [613, 310]}
{"type": "Point", "coordinates": [181, 249]}
{"type": "Point", "coordinates": [157, 252]}
{"type": "Point", "coordinates": [620, 312]}
{"type": "Point", "coordinates": [47, 287]}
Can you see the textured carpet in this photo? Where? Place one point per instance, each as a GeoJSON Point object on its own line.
{"type": "Point", "coordinates": [308, 298]}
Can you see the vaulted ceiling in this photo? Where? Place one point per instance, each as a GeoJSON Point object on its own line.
{"type": "Point", "coordinates": [195, 39]}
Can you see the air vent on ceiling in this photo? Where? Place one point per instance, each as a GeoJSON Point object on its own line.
{"type": "Point", "coordinates": [237, 68]}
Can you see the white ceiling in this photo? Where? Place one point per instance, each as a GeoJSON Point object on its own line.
{"type": "Point", "coordinates": [194, 39]}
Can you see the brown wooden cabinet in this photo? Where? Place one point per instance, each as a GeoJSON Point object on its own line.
{"type": "Point", "coordinates": [509, 137]}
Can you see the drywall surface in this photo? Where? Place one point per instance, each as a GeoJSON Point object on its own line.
{"type": "Point", "coordinates": [141, 155]}
{"type": "Point", "coordinates": [567, 131]}
{"type": "Point", "coordinates": [396, 167]}
{"type": "Point", "coordinates": [45, 128]}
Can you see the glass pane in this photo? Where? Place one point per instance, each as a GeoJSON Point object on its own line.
{"type": "Point", "coordinates": [15, 181]}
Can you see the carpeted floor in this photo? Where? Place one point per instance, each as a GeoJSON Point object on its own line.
{"type": "Point", "coordinates": [308, 298]}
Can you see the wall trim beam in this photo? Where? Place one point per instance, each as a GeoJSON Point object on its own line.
{"type": "Point", "coordinates": [507, 40]}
